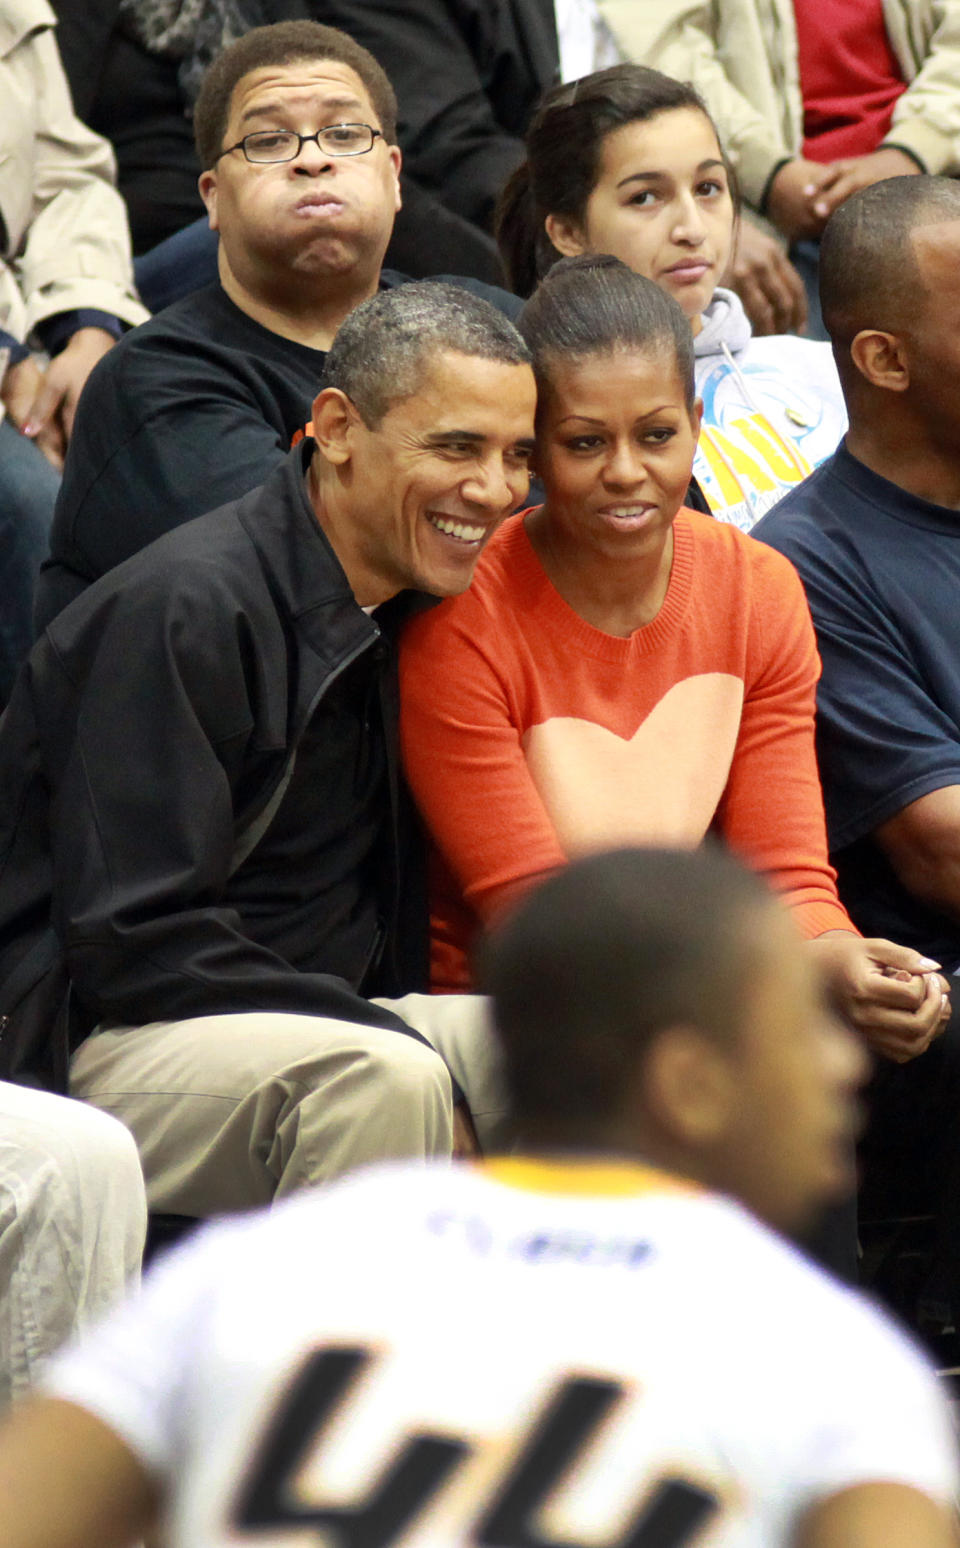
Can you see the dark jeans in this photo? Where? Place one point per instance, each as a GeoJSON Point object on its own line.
{"type": "Point", "coordinates": [28, 492]}
{"type": "Point", "coordinates": [909, 1163]}
{"type": "Point", "coordinates": [911, 1151]}
{"type": "Point", "coordinates": [805, 257]}
{"type": "Point", "coordinates": [182, 263]}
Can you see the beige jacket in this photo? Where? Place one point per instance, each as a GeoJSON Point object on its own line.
{"type": "Point", "coordinates": [742, 57]}
{"type": "Point", "coordinates": [65, 239]}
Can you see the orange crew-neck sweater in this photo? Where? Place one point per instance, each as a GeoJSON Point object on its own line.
{"type": "Point", "coordinates": [531, 737]}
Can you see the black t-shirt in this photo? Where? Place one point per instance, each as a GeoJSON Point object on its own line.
{"type": "Point", "coordinates": [186, 412]}
{"type": "Point", "coordinates": [881, 570]}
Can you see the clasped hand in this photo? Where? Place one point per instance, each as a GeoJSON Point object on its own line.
{"type": "Point", "coordinates": [801, 198]}
{"type": "Point", "coordinates": [804, 194]}
{"type": "Point", "coordinates": [42, 404]}
{"type": "Point", "coordinates": [897, 999]}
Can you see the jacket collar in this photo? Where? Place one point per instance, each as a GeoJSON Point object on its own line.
{"type": "Point", "coordinates": [304, 574]}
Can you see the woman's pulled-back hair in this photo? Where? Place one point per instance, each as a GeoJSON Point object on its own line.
{"type": "Point", "coordinates": [564, 145]}
{"type": "Point", "coordinates": [595, 305]}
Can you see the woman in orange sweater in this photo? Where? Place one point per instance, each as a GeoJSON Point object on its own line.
{"type": "Point", "coordinates": [625, 670]}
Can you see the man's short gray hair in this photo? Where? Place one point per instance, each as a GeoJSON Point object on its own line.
{"type": "Point", "coordinates": [381, 350]}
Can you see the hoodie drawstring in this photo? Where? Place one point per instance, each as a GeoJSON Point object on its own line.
{"type": "Point", "coordinates": [785, 439]}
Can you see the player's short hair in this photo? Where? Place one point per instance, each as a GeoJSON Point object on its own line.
{"type": "Point", "coordinates": [605, 955]}
{"type": "Point", "coordinates": [595, 305]}
{"type": "Point", "coordinates": [284, 43]}
{"type": "Point", "coordinates": [380, 351]}
{"type": "Point", "coordinates": [869, 274]}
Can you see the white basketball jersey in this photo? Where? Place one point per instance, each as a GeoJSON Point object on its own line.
{"type": "Point", "coordinates": [518, 1355]}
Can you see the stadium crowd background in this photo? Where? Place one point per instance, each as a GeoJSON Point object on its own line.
{"type": "Point", "coordinates": [219, 918]}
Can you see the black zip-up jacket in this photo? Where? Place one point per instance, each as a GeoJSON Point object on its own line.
{"type": "Point", "coordinates": [462, 119]}
{"type": "Point", "coordinates": [154, 721]}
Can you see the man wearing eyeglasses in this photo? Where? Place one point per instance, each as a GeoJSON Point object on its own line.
{"type": "Point", "coordinates": [296, 130]}
{"type": "Point", "coordinates": [302, 183]}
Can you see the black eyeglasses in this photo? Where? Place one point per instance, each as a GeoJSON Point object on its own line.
{"type": "Point", "coordinates": [285, 144]}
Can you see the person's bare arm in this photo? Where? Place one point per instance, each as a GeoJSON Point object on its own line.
{"type": "Point", "coordinates": [922, 843]}
{"type": "Point", "coordinates": [878, 1515]}
{"type": "Point", "coordinates": [68, 1481]}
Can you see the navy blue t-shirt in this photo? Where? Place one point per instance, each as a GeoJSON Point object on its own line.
{"type": "Point", "coordinates": [881, 570]}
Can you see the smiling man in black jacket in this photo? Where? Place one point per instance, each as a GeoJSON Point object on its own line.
{"type": "Point", "coordinates": [199, 787]}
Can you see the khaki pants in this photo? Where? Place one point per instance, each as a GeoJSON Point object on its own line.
{"type": "Point", "coordinates": [229, 1112]}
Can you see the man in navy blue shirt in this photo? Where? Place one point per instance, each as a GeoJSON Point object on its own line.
{"type": "Point", "coordinates": [875, 535]}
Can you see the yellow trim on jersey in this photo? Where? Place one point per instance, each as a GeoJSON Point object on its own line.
{"type": "Point", "coordinates": [603, 1178]}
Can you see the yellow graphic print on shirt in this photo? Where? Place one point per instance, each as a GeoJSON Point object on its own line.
{"type": "Point", "coordinates": [747, 467]}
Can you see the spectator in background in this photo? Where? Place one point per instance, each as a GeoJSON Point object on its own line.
{"type": "Point", "coordinates": [875, 536]}
{"type": "Point", "coordinates": [195, 408]}
{"type": "Point", "coordinates": [627, 162]}
{"type": "Point", "coordinates": [136, 66]}
{"type": "Point", "coordinates": [813, 100]}
{"type": "Point", "coordinates": [66, 291]}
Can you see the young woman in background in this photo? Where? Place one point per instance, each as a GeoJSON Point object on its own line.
{"type": "Point", "coordinates": [627, 161]}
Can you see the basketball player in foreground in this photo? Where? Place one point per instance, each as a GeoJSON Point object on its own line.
{"type": "Point", "coordinates": [587, 1342]}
